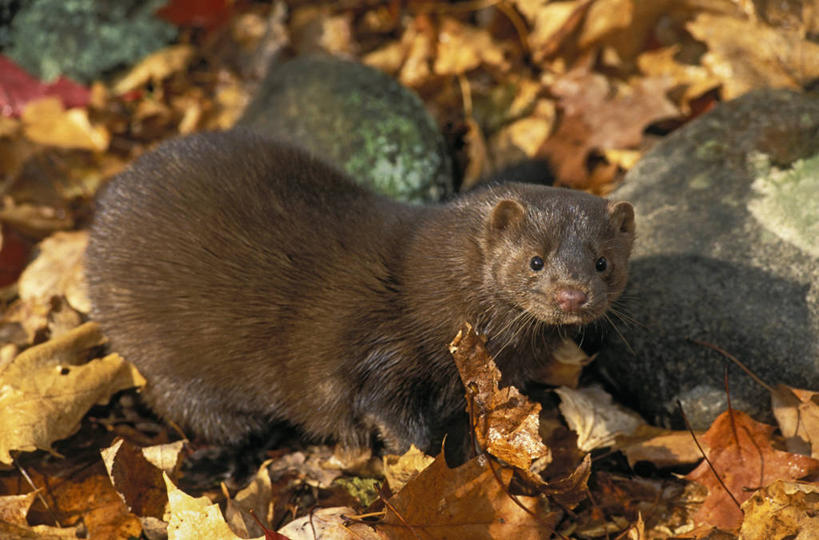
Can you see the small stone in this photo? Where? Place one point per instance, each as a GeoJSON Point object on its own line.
{"type": "Point", "coordinates": [359, 119]}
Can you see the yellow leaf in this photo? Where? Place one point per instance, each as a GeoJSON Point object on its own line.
{"type": "Point", "coordinates": [45, 121]}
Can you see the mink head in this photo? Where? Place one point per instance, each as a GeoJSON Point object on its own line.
{"type": "Point", "coordinates": [558, 255]}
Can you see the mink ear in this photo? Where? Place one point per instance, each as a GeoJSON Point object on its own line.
{"type": "Point", "coordinates": [505, 214]}
{"type": "Point", "coordinates": [622, 216]}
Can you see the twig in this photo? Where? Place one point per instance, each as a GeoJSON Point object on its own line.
{"type": "Point", "coordinates": [711, 465]}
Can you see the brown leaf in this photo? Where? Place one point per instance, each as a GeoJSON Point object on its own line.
{"type": "Point", "coordinates": [599, 117]}
{"type": "Point", "coordinates": [696, 79]}
{"type": "Point", "coordinates": [662, 447]}
{"type": "Point", "coordinates": [138, 481]}
{"type": "Point", "coordinates": [571, 490]}
{"type": "Point", "coordinates": [13, 508]}
{"type": "Point", "coordinates": [506, 422]}
{"type": "Point", "coordinates": [466, 502]}
{"type": "Point", "coordinates": [782, 510]}
{"type": "Point", "coordinates": [797, 413]}
{"type": "Point", "coordinates": [741, 453]}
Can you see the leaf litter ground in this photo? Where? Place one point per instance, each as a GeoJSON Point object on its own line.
{"type": "Point", "coordinates": [590, 84]}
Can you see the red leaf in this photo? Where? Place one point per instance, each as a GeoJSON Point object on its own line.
{"type": "Point", "coordinates": [17, 88]}
{"type": "Point", "coordinates": [206, 14]}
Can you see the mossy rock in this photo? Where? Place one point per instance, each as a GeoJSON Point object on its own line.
{"type": "Point", "coordinates": [359, 119]}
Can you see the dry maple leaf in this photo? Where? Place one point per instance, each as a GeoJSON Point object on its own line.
{"type": "Point", "coordinates": [746, 54]}
{"type": "Point", "coordinates": [742, 455]}
{"type": "Point", "coordinates": [506, 422]}
{"type": "Point", "coordinates": [471, 501]}
{"type": "Point", "coordinates": [782, 510]}
{"type": "Point", "coordinates": [599, 117]}
{"type": "Point", "coordinates": [44, 395]}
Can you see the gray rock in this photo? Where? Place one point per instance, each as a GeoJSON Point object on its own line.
{"type": "Point", "coordinates": [358, 118]}
{"type": "Point", "coordinates": [727, 253]}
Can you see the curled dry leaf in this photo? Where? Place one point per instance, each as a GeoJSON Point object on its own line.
{"type": "Point", "coordinates": [330, 524]}
{"type": "Point", "coordinates": [45, 121]}
{"type": "Point", "coordinates": [696, 79]}
{"type": "Point", "coordinates": [462, 47]}
{"type": "Point", "coordinates": [45, 393]}
{"type": "Point", "coordinates": [155, 67]}
{"type": "Point", "coordinates": [782, 510]}
{"type": "Point", "coordinates": [597, 420]}
{"type": "Point", "coordinates": [797, 413]}
{"type": "Point", "coordinates": [13, 523]}
{"type": "Point", "coordinates": [742, 454]}
{"type": "Point", "coordinates": [551, 23]}
{"type": "Point", "coordinates": [257, 497]}
{"type": "Point", "coordinates": [419, 41]}
{"type": "Point", "coordinates": [506, 422]}
{"type": "Point", "coordinates": [470, 501]}
{"type": "Point", "coordinates": [58, 271]}
{"type": "Point", "coordinates": [399, 470]}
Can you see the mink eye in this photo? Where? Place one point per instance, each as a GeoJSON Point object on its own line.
{"type": "Point", "coordinates": [601, 264]}
{"type": "Point", "coordinates": [536, 263]}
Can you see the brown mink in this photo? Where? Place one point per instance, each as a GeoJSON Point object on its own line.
{"type": "Point", "coordinates": [252, 283]}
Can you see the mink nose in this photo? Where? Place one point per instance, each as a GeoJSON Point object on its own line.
{"type": "Point", "coordinates": [570, 300]}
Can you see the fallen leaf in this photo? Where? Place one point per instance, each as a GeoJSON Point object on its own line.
{"type": "Point", "coordinates": [597, 420]}
{"type": "Point", "coordinates": [257, 496]}
{"type": "Point", "coordinates": [190, 517]}
{"type": "Point", "coordinates": [45, 394]}
{"type": "Point", "coordinates": [782, 510]}
{"type": "Point", "coordinates": [139, 482]}
{"type": "Point", "coordinates": [463, 47]}
{"type": "Point", "coordinates": [552, 23]}
{"type": "Point", "coordinates": [14, 508]}
{"type": "Point", "coordinates": [419, 40]}
{"type": "Point", "coordinates": [603, 18]}
{"type": "Point", "coordinates": [662, 447]}
{"type": "Point", "coordinates": [566, 365]}
{"type": "Point", "coordinates": [467, 502]}
{"type": "Point", "coordinates": [45, 121]}
{"type": "Point", "coordinates": [86, 494]}
{"type": "Point", "coordinates": [747, 54]}
{"type": "Point", "coordinates": [155, 67]}
{"type": "Point", "coordinates": [571, 490]}
{"type": "Point", "coordinates": [58, 271]}
{"type": "Point", "coordinates": [18, 88]}
{"type": "Point", "coordinates": [506, 422]}
{"type": "Point", "coordinates": [331, 524]}
{"type": "Point", "coordinates": [399, 470]}
{"type": "Point", "coordinates": [797, 413]}
{"type": "Point", "coordinates": [601, 117]}
{"type": "Point", "coordinates": [741, 453]}
{"type": "Point", "coordinates": [696, 79]}
{"type": "Point", "coordinates": [317, 29]}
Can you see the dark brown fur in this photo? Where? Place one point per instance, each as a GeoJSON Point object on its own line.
{"type": "Point", "coordinates": [250, 283]}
